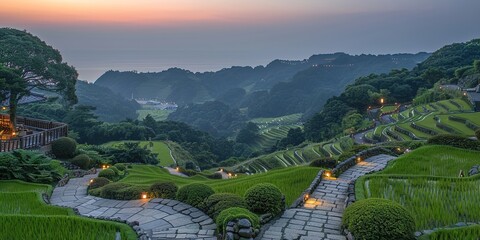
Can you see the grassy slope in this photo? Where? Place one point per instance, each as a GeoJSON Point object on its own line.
{"type": "Point", "coordinates": [425, 182]}
{"type": "Point", "coordinates": [158, 115]}
{"type": "Point", "coordinates": [24, 215]}
{"type": "Point", "coordinates": [159, 147]}
{"type": "Point", "coordinates": [291, 181]}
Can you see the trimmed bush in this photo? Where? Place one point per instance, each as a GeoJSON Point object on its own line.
{"type": "Point", "coordinates": [120, 166]}
{"type": "Point", "coordinates": [82, 161]}
{"type": "Point", "coordinates": [264, 198]}
{"type": "Point", "coordinates": [166, 190]}
{"type": "Point", "coordinates": [98, 182]}
{"type": "Point", "coordinates": [64, 147]}
{"type": "Point", "coordinates": [477, 133]}
{"type": "Point", "coordinates": [378, 219]}
{"type": "Point", "coordinates": [218, 202]}
{"type": "Point", "coordinates": [216, 175]}
{"type": "Point", "coordinates": [113, 168]}
{"type": "Point", "coordinates": [324, 163]}
{"type": "Point", "coordinates": [194, 194]}
{"type": "Point", "coordinates": [455, 141]}
{"type": "Point", "coordinates": [108, 173]}
{"type": "Point", "coordinates": [120, 191]}
{"type": "Point", "coordinates": [235, 213]}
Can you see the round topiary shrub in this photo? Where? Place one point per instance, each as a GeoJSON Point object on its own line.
{"type": "Point", "coordinates": [378, 219]}
{"type": "Point", "coordinates": [264, 198]}
{"type": "Point", "coordinates": [166, 190]}
{"type": "Point", "coordinates": [113, 168]}
{"type": "Point", "coordinates": [194, 193]}
{"type": "Point", "coordinates": [64, 147]}
{"type": "Point", "coordinates": [82, 161]}
{"type": "Point", "coordinates": [98, 182]}
{"type": "Point", "coordinates": [218, 202]}
{"type": "Point", "coordinates": [235, 213]}
{"type": "Point", "coordinates": [108, 173]}
{"type": "Point", "coordinates": [120, 166]}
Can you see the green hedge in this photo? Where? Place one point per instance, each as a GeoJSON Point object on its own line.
{"type": "Point", "coordinates": [108, 173]}
{"type": "Point", "coordinates": [29, 166]}
{"type": "Point", "coordinates": [64, 147]}
{"type": "Point", "coordinates": [235, 213]}
{"type": "Point", "coordinates": [323, 163]}
{"type": "Point", "coordinates": [120, 166]}
{"type": "Point", "coordinates": [194, 194]}
{"type": "Point", "coordinates": [120, 191]}
{"type": "Point", "coordinates": [455, 141]}
{"type": "Point", "coordinates": [98, 182]}
{"type": "Point", "coordinates": [264, 198]}
{"type": "Point", "coordinates": [378, 219]}
{"type": "Point", "coordinates": [218, 202]}
{"type": "Point", "coordinates": [166, 190]}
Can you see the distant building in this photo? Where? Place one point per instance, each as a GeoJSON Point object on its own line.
{"type": "Point", "coordinates": [157, 104]}
{"type": "Point", "coordinates": [473, 95]}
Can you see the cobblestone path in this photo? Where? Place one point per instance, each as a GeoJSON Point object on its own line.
{"type": "Point", "coordinates": [321, 216]}
{"type": "Point", "coordinates": [161, 218]}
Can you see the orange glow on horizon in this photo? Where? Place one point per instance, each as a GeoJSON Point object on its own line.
{"type": "Point", "coordinates": [157, 12]}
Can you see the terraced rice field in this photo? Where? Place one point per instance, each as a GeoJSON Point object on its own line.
{"type": "Point", "coordinates": [274, 129]}
{"type": "Point", "coordinates": [431, 119]}
{"type": "Point", "coordinates": [24, 215]}
{"type": "Point", "coordinates": [426, 183]}
{"type": "Point", "coordinates": [296, 156]}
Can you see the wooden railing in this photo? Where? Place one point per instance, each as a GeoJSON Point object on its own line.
{"type": "Point", "coordinates": [45, 133]}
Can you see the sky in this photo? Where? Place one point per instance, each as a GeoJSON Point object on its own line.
{"type": "Point", "coordinates": [207, 35]}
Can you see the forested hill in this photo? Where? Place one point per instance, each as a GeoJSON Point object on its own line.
{"type": "Point", "coordinates": [328, 73]}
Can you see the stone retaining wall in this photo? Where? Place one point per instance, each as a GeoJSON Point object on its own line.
{"type": "Point", "coordinates": [350, 162]}
{"type": "Point", "coordinates": [316, 181]}
{"type": "Point", "coordinates": [240, 229]}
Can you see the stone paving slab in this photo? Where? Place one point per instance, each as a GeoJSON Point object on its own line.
{"type": "Point", "coordinates": [163, 218]}
{"type": "Point", "coordinates": [321, 216]}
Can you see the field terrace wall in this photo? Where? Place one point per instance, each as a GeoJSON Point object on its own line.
{"type": "Point", "coordinates": [44, 132]}
{"type": "Point", "coordinates": [467, 122]}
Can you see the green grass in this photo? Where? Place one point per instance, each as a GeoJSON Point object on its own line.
{"type": "Point", "coordinates": [159, 147]}
{"type": "Point", "coordinates": [15, 227]}
{"type": "Point", "coordinates": [158, 115]}
{"type": "Point", "coordinates": [434, 161]}
{"type": "Point", "coordinates": [463, 233]}
{"type": "Point", "coordinates": [291, 181]}
{"type": "Point", "coordinates": [426, 183]}
{"type": "Point", "coordinates": [388, 108]}
{"type": "Point", "coordinates": [24, 215]}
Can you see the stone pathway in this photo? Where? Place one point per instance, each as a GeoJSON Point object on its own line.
{"type": "Point", "coordinates": [321, 216]}
{"type": "Point", "coordinates": [175, 172]}
{"type": "Point", "coordinates": [161, 218]}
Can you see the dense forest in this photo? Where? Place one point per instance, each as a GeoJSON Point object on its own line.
{"type": "Point", "coordinates": [280, 88]}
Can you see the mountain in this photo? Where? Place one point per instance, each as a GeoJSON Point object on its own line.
{"type": "Point", "coordinates": [110, 107]}
{"type": "Point", "coordinates": [289, 81]}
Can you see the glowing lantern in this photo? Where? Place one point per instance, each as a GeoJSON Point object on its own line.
{"type": "Point", "coordinates": [306, 197]}
{"type": "Point", "coordinates": [359, 159]}
{"type": "Point", "coordinates": [144, 195]}
{"type": "Point", "coordinates": [382, 100]}
{"type": "Point", "coordinates": [91, 180]}
{"type": "Point", "coordinates": [177, 169]}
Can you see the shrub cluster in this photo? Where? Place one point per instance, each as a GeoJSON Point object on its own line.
{"type": "Point", "coordinates": [235, 213]}
{"type": "Point", "coordinates": [82, 161]}
{"type": "Point", "coordinates": [98, 182]}
{"type": "Point", "coordinates": [108, 173]}
{"type": "Point", "coordinates": [28, 166]}
{"type": "Point", "coordinates": [194, 194]}
{"type": "Point", "coordinates": [120, 166]}
{"type": "Point", "coordinates": [324, 163]}
{"type": "Point", "coordinates": [120, 191]}
{"type": "Point", "coordinates": [218, 202]}
{"type": "Point", "coordinates": [167, 190]}
{"type": "Point", "coordinates": [454, 141]}
{"type": "Point", "coordinates": [378, 219]}
{"type": "Point", "coordinates": [64, 147]}
{"type": "Point", "coordinates": [264, 198]}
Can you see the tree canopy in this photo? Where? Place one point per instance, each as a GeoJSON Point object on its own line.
{"type": "Point", "coordinates": [32, 64]}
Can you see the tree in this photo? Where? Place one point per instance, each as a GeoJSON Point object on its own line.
{"type": "Point", "coordinates": [476, 66]}
{"type": "Point", "coordinates": [248, 134]}
{"type": "Point", "coordinates": [35, 65]}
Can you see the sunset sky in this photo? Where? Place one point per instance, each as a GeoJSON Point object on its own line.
{"type": "Point", "coordinates": [205, 35]}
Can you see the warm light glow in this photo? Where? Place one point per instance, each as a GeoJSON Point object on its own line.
{"type": "Point", "coordinates": [221, 169]}
{"type": "Point", "coordinates": [229, 174]}
{"type": "Point", "coordinates": [327, 174]}
{"type": "Point", "coordinates": [144, 195]}
{"type": "Point", "coordinates": [382, 100]}
{"type": "Point", "coordinates": [306, 197]}
{"type": "Point", "coordinates": [4, 108]}
{"type": "Point", "coordinates": [14, 133]}
{"type": "Point", "coordinates": [104, 166]}
{"type": "Point", "coordinates": [464, 94]}
{"type": "Point", "coordinates": [91, 180]}
{"type": "Point", "coordinates": [359, 159]}
{"type": "Point", "coordinates": [177, 169]}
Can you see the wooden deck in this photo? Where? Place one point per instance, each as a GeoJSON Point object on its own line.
{"type": "Point", "coordinates": [38, 133]}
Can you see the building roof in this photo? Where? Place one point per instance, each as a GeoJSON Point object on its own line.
{"type": "Point", "coordinates": [474, 96]}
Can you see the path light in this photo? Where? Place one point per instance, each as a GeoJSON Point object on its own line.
{"type": "Point", "coordinates": [144, 195]}
{"type": "Point", "coordinates": [229, 174]}
{"type": "Point", "coordinates": [91, 180]}
{"type": "Point", "coordinates": [382, 100]}
{"type": "Point", "coordinates": [104, 166]}
{"type": "Point", "coordinates": [177, 169]}
{"type": "Point", "coordinates": [327, 173]}
{"type": "Point", "coordinates": [306, 197]}
{"type": "Point", "coordinates": [14, 133]}
{"type": "Point", "coordinates": [221, 169]}
{"type": "Point", "coordinates": [359, 159]}
{"type": "Point", "coordinates": [4, 108]}
{"type": "Point", "coordinates": [464, 94]}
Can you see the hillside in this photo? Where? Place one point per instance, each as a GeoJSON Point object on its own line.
{"type": "Point", "coordinates": [324, 75]}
